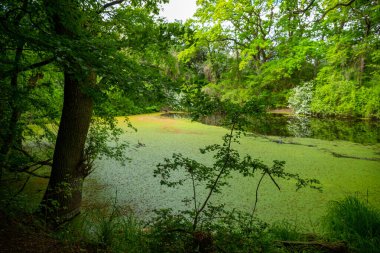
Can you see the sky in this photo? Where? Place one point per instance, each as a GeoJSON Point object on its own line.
{"type": "Point", "coordinates": [178, 9]}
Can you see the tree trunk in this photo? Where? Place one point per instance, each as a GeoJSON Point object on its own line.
{"type": "Point", "coordinates": [63, 197]}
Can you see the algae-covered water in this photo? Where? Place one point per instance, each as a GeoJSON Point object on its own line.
{"type": "Point", "coordinates": [343, 167]}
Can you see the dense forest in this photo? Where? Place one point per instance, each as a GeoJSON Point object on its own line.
{"type": "Point", "coordinates": [69, 67]}
{"type": "Point", "coordinates": [322, 54]}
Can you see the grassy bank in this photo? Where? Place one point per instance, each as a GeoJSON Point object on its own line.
{"type": "Point", "coordinates": [350, 225]}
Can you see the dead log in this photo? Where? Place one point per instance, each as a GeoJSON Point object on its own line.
{"type": "Point", "coordinates": [321, 246]}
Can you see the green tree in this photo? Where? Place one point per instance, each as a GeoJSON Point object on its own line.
{"type": "Point", "coordinates": [80, 24]}
{"type": "Point", "coordinates": [350, 67]}
{"type": "Point", "coordinates": [96, 45]}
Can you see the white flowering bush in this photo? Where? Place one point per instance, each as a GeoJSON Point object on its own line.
{"type": "Point", "coordinates": [300, 99]}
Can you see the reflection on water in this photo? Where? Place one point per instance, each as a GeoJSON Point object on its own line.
{"type": "Point", "coordinates": [354, 130]}
{"type": "Point", "coordinates": [360, 131]}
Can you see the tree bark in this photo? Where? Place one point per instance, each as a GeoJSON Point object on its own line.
{"type": "Point", "coordinates": [63, 197]}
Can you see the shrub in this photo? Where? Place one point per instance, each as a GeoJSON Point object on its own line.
{"type": "Point", "coordinates": [345, 98]}
{"type": "Point", "coordinates": [301, 98]}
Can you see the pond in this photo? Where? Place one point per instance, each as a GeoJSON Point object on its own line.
{"type": "Point", "coordinates": [343, 167]}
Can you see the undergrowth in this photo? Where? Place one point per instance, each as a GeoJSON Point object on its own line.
{"type": "Point", "coordinates": [355, 222]}
{"type": "Point", "coordinates": [111, 228]}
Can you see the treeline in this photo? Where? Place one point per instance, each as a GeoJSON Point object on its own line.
{"type": "Point", "coordinates": [274, 48]}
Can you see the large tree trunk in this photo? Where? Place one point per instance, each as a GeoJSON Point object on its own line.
{"type": "Point", "coordinates": [63, 197]}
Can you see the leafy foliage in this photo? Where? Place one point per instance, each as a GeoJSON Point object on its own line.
{"type": "Point", "coordinates": [269, 47]}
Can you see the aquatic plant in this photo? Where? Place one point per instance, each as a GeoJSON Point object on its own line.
{"type": "Point", "coordinates": [203, 216]}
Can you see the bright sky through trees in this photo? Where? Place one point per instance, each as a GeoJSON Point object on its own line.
{"type": "Point", "coordinates": [178, 9]}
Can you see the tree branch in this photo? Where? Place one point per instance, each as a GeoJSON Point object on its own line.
{"type": "Point", "coordinates": [13, 32]}
{"type": "Point", "coordinates": [304, 10]}
{"type": "Point", "coordinates": [31, 173]}
{"type": "Point", "coordinates": [334, 7]}
{"type": "Point", "coordinates": [257, 195]}
{"type": "Point", "coordinates": [30, 67]}
{"type": "Point", "coordinates": [24, 152]}
{"type": "Point", "coordinates": [41, 163]}
{"type": "Point", "coordinates": [38, 64]}
{"type": "Point", "coordinates": [226, 39]}
{"type": "Point", "coordinates": [274, 181]}
{"type": "Point", "coordinates": [109, 5]}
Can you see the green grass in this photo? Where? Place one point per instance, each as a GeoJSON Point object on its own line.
{"type": "Point", "coordinates": [355, 222]}
{"type": "Point", "coordinates": [285, 231]}
{"type": "Point", "coordinates": [106, 228]}
{"type": "Point", "coordinates": [313, 158]}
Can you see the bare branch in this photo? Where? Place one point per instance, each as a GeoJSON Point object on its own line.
{"type": "Point", "coordinates": [257, 195]}
{"type": "Point", "coordinates": [41, 163]}
{"type": "Point", "coordinates": [24, 152]}
{"type": "Point", "coordinates": [31, 173]}
{"type": "Point", "coordinates": [274, 181]}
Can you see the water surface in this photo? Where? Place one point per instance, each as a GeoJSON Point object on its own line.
{"type": "Point", "coordinates": [343, 167]}
{"type": "Point", "coordinates": [279, 124]}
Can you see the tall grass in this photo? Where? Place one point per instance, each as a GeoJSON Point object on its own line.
{"type": "Point", "coordinates": [285, 231]}
{"type": "Point", "coordinates": [106, 230]}
{"type": "Point", "coordinates": [355, 222]}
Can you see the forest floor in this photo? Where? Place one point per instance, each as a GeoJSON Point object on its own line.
{"type": "Point", "coordinates": [21, 235]}
{"type": "Point", "coordinates": [15, 236]}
